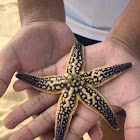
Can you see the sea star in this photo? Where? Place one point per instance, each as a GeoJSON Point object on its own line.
{"type": "Point", "coordinates": [77, 85]}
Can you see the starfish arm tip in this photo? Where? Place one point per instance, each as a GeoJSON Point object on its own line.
{"type": "Point", "coordinates": [128, 65]}
{"type": "Point", "coordinates": [115, 126]}
{"type": "Point", "coordinates": [22, 76]}
{"type": "Point", "coordinates": [19, 75]}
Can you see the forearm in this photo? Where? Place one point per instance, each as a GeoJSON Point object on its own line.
{"type": "Point", "coordinates": [32, 10]}
{"type": "Point", "coordinates": [126, 30]}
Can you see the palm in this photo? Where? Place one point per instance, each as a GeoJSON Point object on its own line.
{"type": "Point", "coordinates": [42, 44]}
{"type": "Point", "coordinates": [117, 90]}
{"type": "Point", "coordinates": [120, 92]}
{"type": "Point", "coordinates": [35, 46]}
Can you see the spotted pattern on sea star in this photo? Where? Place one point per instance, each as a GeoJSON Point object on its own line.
{"type": "Point", "coordinates": [77, 85]}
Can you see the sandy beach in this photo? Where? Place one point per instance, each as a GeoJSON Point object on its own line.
{"type": "Point", "coordinates": [9, 26]}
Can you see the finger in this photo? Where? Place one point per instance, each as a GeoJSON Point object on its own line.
{"type": "Point", "coordinates": [31, 107]}
{"type": "Point", "coordinates": [19, 85]}
{"type": "Point", "coordinates": [40, 125]}
{"type": "Point", "coordinates": [82, 122]}
{"type": "Point", "coordinates": [32, 92]}
{"type": "Point", "coordinates": [8, 66]}
{"type": "Point", "coordinates": [95, 132]}
{"type": "Point", "coordinates": [48, 136]}
{"type": "Point", "coordinates": [132, 122]}
{"type": "Point", "coordinates": [45, 121]}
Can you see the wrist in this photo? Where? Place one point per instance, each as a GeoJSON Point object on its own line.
{"type": "Point", "coordinates": [41, 10]}
{"type": "Point", "coordinates": [125, 42]}
{"type": "Point", "coordinates": [125, 31]}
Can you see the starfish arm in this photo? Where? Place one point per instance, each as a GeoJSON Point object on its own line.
{"type": "Point", "coordinates": [75, 63]}
{"type": "Point", "coordinates": [50, 84]}
{"type": "Point", "coordinates": [100, 76]}
{"type": "Point", "coordinates": [92, 99]}
{"type": "Point", "coordinates": [67, 105]}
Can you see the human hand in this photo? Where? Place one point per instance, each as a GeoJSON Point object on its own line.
{"type": "Point", "coordinates": [36, 45]}
{"type": "Point", "coordinates": [105, 54]}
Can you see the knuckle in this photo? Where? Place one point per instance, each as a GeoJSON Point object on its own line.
{"type": "Point", "coordinates": [74, 133]}
{"type": "Point", "coordinates": [47, 117]}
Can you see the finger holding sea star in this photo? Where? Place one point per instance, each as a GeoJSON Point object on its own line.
{"type": "Point", "coordinates": [77, 85]}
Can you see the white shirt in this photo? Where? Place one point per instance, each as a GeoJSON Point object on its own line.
{"type": "Point", "coordinates": [93, 18]}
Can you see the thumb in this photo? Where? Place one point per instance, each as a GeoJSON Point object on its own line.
{"type": "Point", "coordinates": [132, 122]}
{"type": "Point", "coordinates": [8, 66]}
